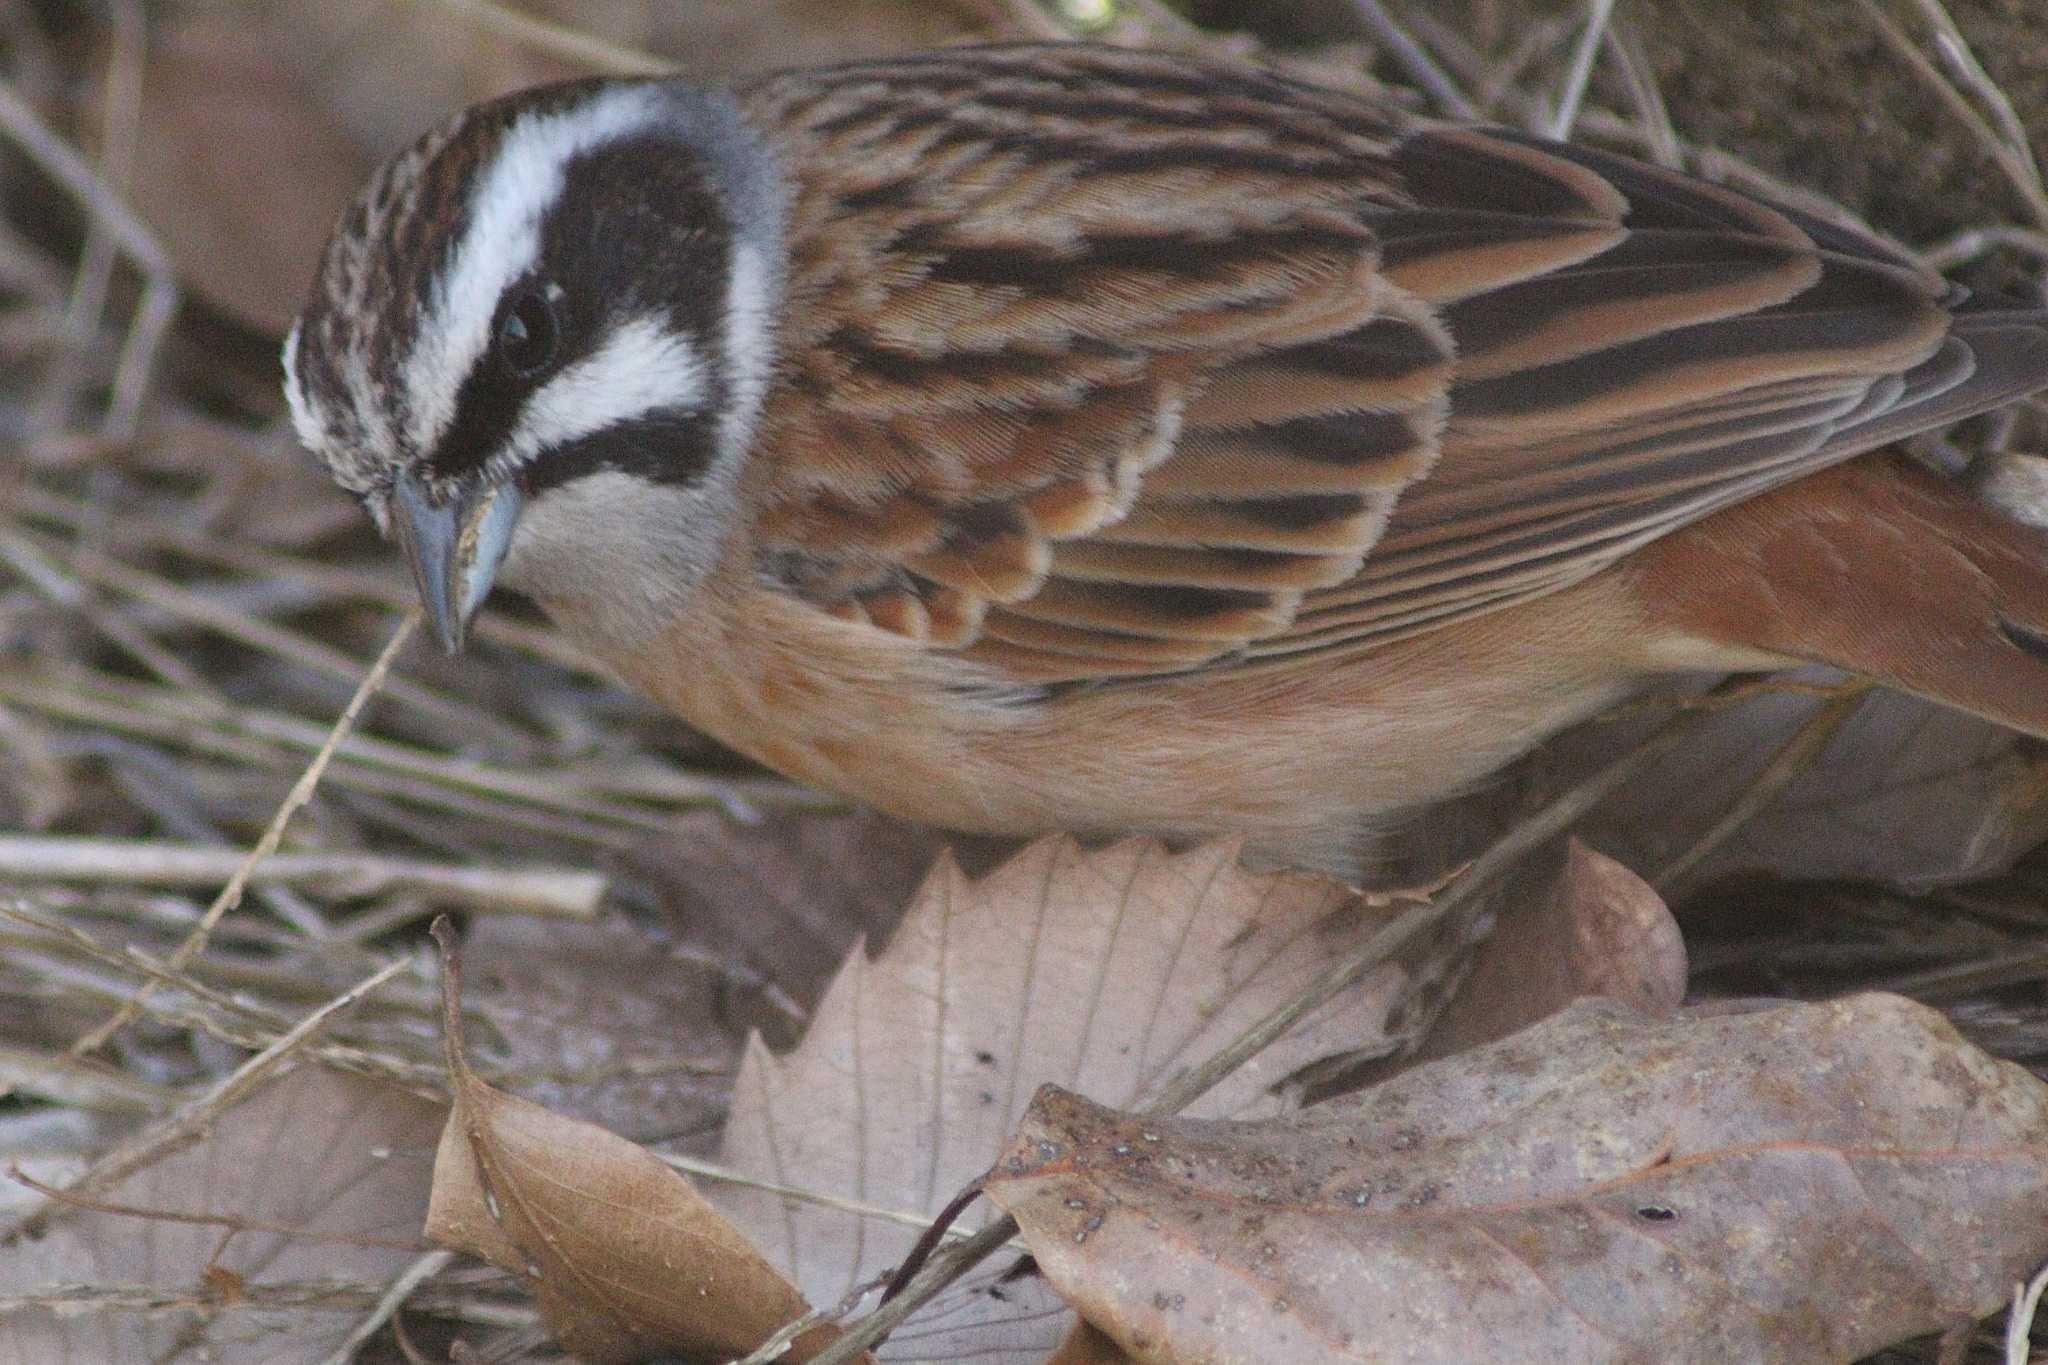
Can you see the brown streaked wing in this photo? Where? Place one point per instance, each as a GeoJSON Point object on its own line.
{"type": "Point", "coordinates": [1724, 346]}
{"type": "Point", "coordinates": [1108, 363]}
{"type": "Point", "coordinates": [1025, 279]}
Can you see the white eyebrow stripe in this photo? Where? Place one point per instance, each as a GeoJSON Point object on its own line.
{"type": "Point", "coordinates": [501, 242]}
{"type": "Point", "coordinates": [641, 368]}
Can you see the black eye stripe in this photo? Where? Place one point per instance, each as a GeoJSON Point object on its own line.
{"type": "Point", "coordinates": [668, 446]}
{"type": "Point", "coordinates": [635, 231]}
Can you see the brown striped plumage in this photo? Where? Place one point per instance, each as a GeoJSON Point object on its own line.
{"type": "Point", "coordinates": [1157, 443]}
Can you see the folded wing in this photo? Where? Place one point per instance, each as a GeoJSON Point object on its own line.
{"type": "Point", "coordinates": [1171, 367]}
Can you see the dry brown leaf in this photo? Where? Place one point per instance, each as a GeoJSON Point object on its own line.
{"type": "Point", "coordinates": [1906, 793]}
{"type": "Point", "coordinates": [1601, 930]}
{"type": "Point", "coordinates": [1805, 1183]}
{"type": "Point", "coordinates": [600, 1024]}
{"type": "Point", "coordinates": [789, 893]}
{"type": "Point", "coordinates": [238, 167]}
{"type": "Point", "coordinates": [1111, 970]}
{"type": "Point", "coordinates": [623, 1256]}
{"type": "Point", "coordinates": [1085, 1345]}
{"type": "Point", "coordinates": [326, 1176]}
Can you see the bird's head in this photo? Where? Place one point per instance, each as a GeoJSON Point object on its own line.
{"type": "Point", "coordinates": [537, 346]}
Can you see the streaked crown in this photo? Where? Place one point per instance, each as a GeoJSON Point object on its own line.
{"type": "Point", "coordinates": [575, 282]}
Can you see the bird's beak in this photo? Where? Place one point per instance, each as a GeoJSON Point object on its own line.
{"type": "Point", "coordinates": [454, 547]}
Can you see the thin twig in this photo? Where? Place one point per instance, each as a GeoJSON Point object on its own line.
{"type": "Point", "coordinates": [402, 1287]}
{"type": "Point", "coordinates": [1414, 59]}
{"type": "Point", "coordinates": [189, 1124]}
{"type": "Point", "coordinates": [160, 292]}
{"type": "Point", "coordinates": [561, 892]}
{"type": "Point", "coordinates": [2019, 170]}
{"type": "Point", "coordinates": [1793, 757]}
{"type": "Point", "coordinates": [301, 793]}
{"type": "Point", "coordinates": [1598, 14]}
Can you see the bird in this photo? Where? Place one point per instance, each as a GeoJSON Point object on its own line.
{"type": "Point", "coordinates": [1066, 437]}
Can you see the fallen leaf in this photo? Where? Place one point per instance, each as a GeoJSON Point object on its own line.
{"type": "Point", "coordinates": [624, 1257]}
{"type": "Point", "coordinates": [1084, 1345]}
{"type": "Point", "coordinates": [650, 1062]}
{"type": "Point", "coordinates": [788, 894]}
{"type": "Point", "coordinates": [322, 1175]}
{"type": "Point", "coordinates": [238, 168]}
{"type": "Point", "coordinates": [1810, 1182]}
{"type": "Point", "coordinates": [1907, 793]}
{"type": "Point", "coordinates": [1600, 930]}
{"type": "Point", "coordinates": [1112, 970]}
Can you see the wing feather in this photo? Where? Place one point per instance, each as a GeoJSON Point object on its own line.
{"type": "Point", "coordinates": [1106, 364]}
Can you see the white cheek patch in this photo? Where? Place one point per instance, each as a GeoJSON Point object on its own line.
{"type": "Point", "coordinates": [641, 368]}
{"type": "Point", "coordinates": [501, 243]}
{"type": "Point", "coordinates": [613, 557]}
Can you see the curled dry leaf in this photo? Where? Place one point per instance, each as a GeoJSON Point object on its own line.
{"type": "Point", "coordinates": [1601, 930]}
{"type": "Point", "coordinates": [1110, 970]}
{"type": "Point", "coordinates": [624, 1257]}
{"type": "Point", "coordinates": [265, 1232]}
{"type": "Point", "coordinates": [1804, 1183]}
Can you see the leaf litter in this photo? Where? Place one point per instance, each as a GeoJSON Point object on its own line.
{"type": "Point", "coordinates": [1807, 1182]}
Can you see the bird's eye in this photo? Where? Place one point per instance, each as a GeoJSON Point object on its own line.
{"type": "Point", "coordinates": [529, 333]}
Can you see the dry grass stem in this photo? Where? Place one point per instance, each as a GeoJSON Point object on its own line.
{"type": "Point", "coordinates": [160, 294]}
{"type": "Point", "coordinates": [401, 1288]}
{"type": "Point", "coordinates": [196, 609]}
{"type": "Point", "coordinates": [1957, 55]}
{"type": "Point", "coordinates": [61, 1080]}
{"type": "Point", "coordinates": [1972, 243]}
{"type": "Point", "coordinates": [190, 1123]}
{"type": "Point", "coordinates": [301, 792]}
{"type": "Point", "coordinates": [773, 1348]}
{"type": "Point", "coordinates": [1795, 756]}
{"type": "Point", "coordinates": [120, 121]}
{"type": "Point", "coordinates": [63, 589]}
{"type": "Point", "coordinates": [1660, 137]}
{"type": "Point", "coordinates": [1599, 13]}
{"type": "Point", "coordinates": [711, 1170]}
{"type": "Point", "coordinates": [1414, 59]}
{"type": "Point", "coordinates": [563, 892]}
{"type": "Point", "coordinates": [2019, 1326]}
{"type": "Point", "coordinates": [2018, 166]}
{"type": "Point", "coordinates": [527, 798]}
